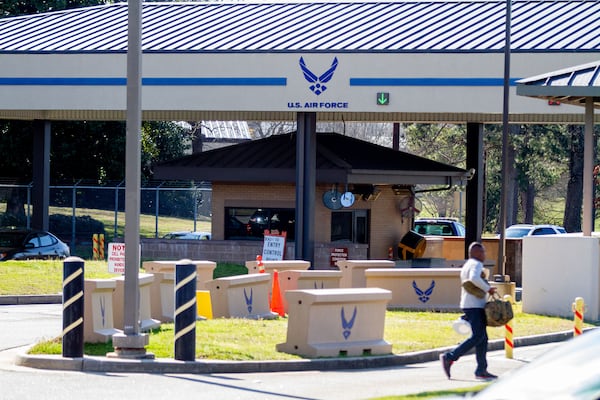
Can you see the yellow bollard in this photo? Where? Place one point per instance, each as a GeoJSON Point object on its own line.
{"type": "Point", "coordinates": [509, 344]}
{"type": "Point", "coordinates": [101, 246]}
{"type": "Point", "coordinates": [578, 317]}
{"type": "Point", "coordinates": [95, 246]}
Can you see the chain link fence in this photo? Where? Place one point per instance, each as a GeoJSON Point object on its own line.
{"type": "Point", "coordinates": [81, 209]}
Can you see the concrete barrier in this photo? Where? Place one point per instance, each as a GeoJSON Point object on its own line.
{"type": "Point", "coordinates": [559, 268]}
{"type": "Point", "coordinates": [98, 320]}
{"type": "Point", "coordinates": [146, 320]}
{"type": "Point", "coordinates": [241, 296]}
{"type": "Point", "coordinates": [162, 302]}
{"type": "Point", "coordinates": [417, 288]}
{"type": "Point", "coordinates": [336, 322]}
{"type": "Point", "coordinates": [280, 266]}
{"type": "Point", "coordinates": [309, 279]}
{"type": "Point", "coordinates": [204, 270]}
{"type": "Point", "coordinates": [504, 288]}
{"type": "Point", "coordinates": [434, 248]}
{"type": "Point", "coordinates": [353, 271]}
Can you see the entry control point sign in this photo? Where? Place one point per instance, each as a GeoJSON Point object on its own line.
{"type": "Point", "coordinates": [273, 247]}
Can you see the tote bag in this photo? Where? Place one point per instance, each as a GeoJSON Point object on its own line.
{"type": "Point", "coordinates": [497, 311]}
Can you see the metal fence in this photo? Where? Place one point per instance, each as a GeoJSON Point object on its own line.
{"type": "Point", "coordinates": [79, 210]}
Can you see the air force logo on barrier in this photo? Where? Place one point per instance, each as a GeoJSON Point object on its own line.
{"type": "Point", "coordinates": [318, 82]}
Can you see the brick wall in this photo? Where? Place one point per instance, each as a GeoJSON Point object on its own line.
{"type": "Point", "coordinates": [234, 251]}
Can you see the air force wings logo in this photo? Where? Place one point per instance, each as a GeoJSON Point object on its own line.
{"type": "Point", "coordinates": [423, 294]}
{"type": "Point", "coordinates": [317, 82]}
{"type": "Point", "coordinates": [248, 299]}
{"type": "Point", "coordinates": [347, 325]}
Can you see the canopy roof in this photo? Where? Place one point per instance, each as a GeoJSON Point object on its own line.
{"type": "Point", "coordinates": [579, 85]}
{"type": "Point", "coordinates": [571, 85]}
{"type": "Point", "coordinates": [410, 60]}
{"type": "Point", "coordinates": [340, 159]}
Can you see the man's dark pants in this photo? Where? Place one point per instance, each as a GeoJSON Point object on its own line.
{"type": "Point", "coordinates": [478, 339]}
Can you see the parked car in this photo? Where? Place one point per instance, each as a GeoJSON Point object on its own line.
{"type": "Point", "coordinates": [26, 244]}
{"type": "Point", "coordinates": [188, 235]}
{"type": "Point", "coordinates": [521, 230]}
{"type": "Point", "coordinates": [439, 227]}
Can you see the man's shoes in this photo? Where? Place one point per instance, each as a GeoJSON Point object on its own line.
{"type": "Point", "coordinates": [446, 364]}
{"type": "Point", "coordinates": [486, 376]}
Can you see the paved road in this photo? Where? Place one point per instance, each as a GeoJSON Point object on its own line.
{"type": "Point", "coordinates": [23, 325]}
{"type": "Point", "coordinates": [26, 324]}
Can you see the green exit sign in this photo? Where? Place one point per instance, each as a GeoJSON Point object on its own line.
{"type": "Point", "coordinates": [383, 99]}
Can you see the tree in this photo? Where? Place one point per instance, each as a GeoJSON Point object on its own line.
{"type": "Point", "coordinates": [162, 141]}
{"type": "Point", "coordinates": [541, 159]}
{"type": "Point", "coordinates": [445, 143]}
{"type": "Point", "coordinates": [12, 8]}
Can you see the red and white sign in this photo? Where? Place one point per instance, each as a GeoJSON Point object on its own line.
{"type": "Point", "coordinates": [273, 246]}
{"type": "Point", "coordinates": [338, 253]}
{"type": "Point", "coordinates": [116, 258]}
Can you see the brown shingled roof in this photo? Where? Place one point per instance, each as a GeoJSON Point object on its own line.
{"type": "Point", "coordinates": [340, 159]}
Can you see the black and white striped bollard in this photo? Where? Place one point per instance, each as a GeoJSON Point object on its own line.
{"type": "Point", "coordinates": [185, 311]}
{"type": "Point", "coordinates": [72, 334]}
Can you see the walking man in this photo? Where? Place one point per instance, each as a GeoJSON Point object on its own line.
{"type": "Point", "coordinates": [472, 302]}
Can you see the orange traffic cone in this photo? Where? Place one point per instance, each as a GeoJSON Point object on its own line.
{"type": "Point", "coordinates": [276, 300]}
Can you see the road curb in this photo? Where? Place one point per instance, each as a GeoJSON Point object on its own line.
{"type": "Point", "coordinates": [30, 299]}
{"type": "Point", "coordinates": [171, 366]}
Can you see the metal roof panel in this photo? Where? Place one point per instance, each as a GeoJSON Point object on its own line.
{"type": "Point", "coordinates": [413, 26]}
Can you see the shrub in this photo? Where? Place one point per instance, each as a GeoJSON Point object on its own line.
{"type": "Point", "coordinates": [85, 226]}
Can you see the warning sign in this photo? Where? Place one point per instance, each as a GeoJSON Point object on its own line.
{"type": "Point", "coordinates": [116, 258]}
{"type": "Point", "coordinates": [338, 253]}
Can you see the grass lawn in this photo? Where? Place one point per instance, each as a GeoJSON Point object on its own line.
{"type": "Point", "coordinates": [147, 222]}
{"type": "Point", "coordinates": [243, 340]}
{"type": "Point", "coordinates": [42, 277]}
{"type": "Point", "coordinates": [436, 394]}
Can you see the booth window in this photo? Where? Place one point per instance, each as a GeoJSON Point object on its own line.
{"type": "Point", "coordinates": [243, 223]}
{"type": "Point", "coordinates": [349, 226]}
